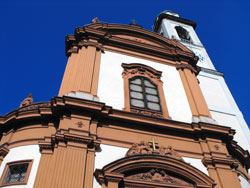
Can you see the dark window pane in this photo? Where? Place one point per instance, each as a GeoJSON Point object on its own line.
{"type": "Point", "coordinates": [144, 94]}
{"type": "Point", "coordinates": [136, 81]}
{"type": "Point", "coordinates": [136, 95]}
{"type": "Point", "coordinates": [135, 87]}
{"type": "Point", "coordinates": [151, 91]}
{"type": "Point", "coordinates": [148, 84]}
{"type": "Point", "coordinates": [152, 98]}
{"type": "Point", "coordinates": [154, 106]}
{"type": "Point", "coordinates": [137, 103]}
{"type": "Point", "coordinates": [16, 173]}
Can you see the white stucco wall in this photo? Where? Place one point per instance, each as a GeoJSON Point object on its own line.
{"type": "Point", "coordinates": [111, 91]}
{"type": "Point", "coordinates": [107, 155]}
{"type": "Point", "coordinates": [196, 163]}
{"type": "Point", "coordinates": [244, 183]}
{"type": "Point", "coordinates": [24, 153]}
{"type": "Point", "coordinates": [232, 121]}
{"type": "Point", "coordinates": [213, 92]}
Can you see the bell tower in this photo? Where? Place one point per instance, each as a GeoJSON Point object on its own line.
{"type": "Point", "coordinates": [171, 25]}
{"type": "Point", "coordinates": [219, 99]}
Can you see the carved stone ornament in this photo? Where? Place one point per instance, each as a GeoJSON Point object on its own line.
{"type": "Point", "coordinates": [140, 69]}
{"type": "Point", "coordinates": [27, 101]}
{"type": "Point", "coordinates": [159, 176]}
{"type": "Point", "coordinates": [95, 20]}
{"type": "Point", "coordinates": [146, 148]}
{"type": "Point", "coordinates": [146, 112]}
{"type": "Point", "coordinates": [3, 151]}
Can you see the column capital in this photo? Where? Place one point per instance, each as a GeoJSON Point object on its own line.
{"type": "Point", "coordinates": [220, 162]}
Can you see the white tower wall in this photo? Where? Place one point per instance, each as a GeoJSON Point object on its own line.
{"type": "Point", "coordinates": [220, 101]}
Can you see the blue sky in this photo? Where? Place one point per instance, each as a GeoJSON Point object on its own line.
{"type": "Point", "coordinates": [32, 35]}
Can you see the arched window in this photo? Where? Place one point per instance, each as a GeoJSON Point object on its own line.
{"type": "Point", "coordinates": [144, 94]}
{"type": "Point", "coordinates": [143, 90]}
{"type": "Point", "coordinates": [183, 34]}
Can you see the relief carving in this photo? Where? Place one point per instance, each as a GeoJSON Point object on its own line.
{"type": "Point", "coordinates": [147, 148]}
{"type": "Point", "coordinates": [147, 112]}
{"type": "Point", "coordinates": [140, 69]}
{"type": "Point", "coordinates": [159, 176]}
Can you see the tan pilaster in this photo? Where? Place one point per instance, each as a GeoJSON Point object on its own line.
{"type": "Point", "coordinates": [82, 72]}
{"type": "Point", "coordinates": [194, 94]}
{"type": "Point", "coordinates": [222, 170]}
{"type": "Point", "coordinates": [89, 170]}
{"type": "Point", "coordinates": [188, 91]}
{"type": "Point", "coordinates": [113, 180]}
{"type": "Point", "coordinates": [67, 161]}
{"type": "Point", "coordinates": [62, 169]}
{"type": "Point", "coordinates": [113, 184]}
{"type": "Point", "coordinates": [104, 186]}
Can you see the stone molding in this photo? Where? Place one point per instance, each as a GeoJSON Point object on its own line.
{"type": "Point", "coordinates": [195, 70]}
{"type": "Point", "coordinates": [89, 141]}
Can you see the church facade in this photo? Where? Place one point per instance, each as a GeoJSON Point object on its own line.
{"type": "Point", "coordinates": [136, 108]}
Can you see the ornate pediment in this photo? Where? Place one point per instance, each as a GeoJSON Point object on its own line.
{"type": "Point", "coordinates": [151, 171]}
{"type": "Point", "coordinates": [147, 148]}
{"type": "Point", "coordinates": [128, 39]}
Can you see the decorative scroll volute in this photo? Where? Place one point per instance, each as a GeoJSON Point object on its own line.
{"type": "Point", "coordinates": [146, 148]}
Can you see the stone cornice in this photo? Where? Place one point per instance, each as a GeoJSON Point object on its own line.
{"type": "Point", "coordinates": [161, 16]}
{"type": "Point", "coordinates": [215, 161]}
{"type": "Point", "coordinates": [195, 70]}
{"type": "Point", "coordinates": [60, 106]}
{"type": "Point", "coordinates": [33, 111]}
{"type": "Point", "coordinates": [65, 137]}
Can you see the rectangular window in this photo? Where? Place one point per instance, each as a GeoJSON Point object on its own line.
{"type": "Point", "coordinates": [16, 173]}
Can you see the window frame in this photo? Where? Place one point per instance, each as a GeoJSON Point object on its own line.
{"type": "Point", "coordinates": [3, 176]}
{"type": "Point", "coordinates": [139, 70]}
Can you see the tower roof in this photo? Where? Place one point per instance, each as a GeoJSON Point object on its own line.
{"type": "Point", "coordinates": [171, 16]}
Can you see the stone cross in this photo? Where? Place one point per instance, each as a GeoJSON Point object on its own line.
{"type": "Point", "coordinates": [152, 141]}
{"type": "Point", "coordinates": [133, 22]}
